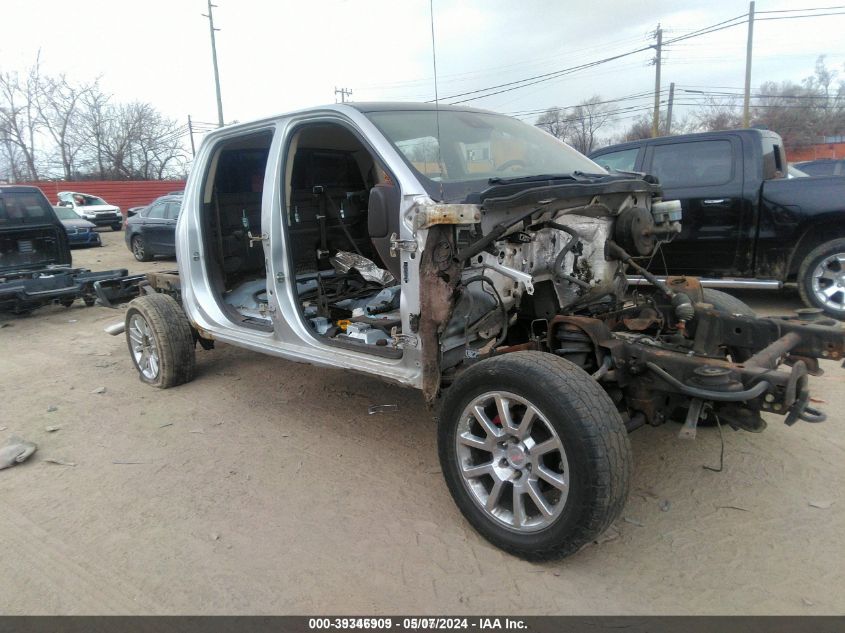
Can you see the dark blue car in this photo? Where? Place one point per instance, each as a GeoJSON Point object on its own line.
{"type": "Point", "coordinates": [152, 231]}
{"type": "Point", "coordinates": [79, 232]}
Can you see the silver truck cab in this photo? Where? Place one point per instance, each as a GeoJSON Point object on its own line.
{"type": "Point", "coordinates": [281, 215]}
{"type": "Point", "coordinates": [482, 261]}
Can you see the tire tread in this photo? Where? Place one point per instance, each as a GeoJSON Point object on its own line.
{"type": "Point", "coordinates": [173, 335]}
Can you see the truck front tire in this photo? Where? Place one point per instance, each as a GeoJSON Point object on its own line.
{"type": "Point", "coordinates": [821, 278]}
{"type": "Point", "coordinates": [534, 454]}
{"type": "Point", "coordinates": [160, 340]}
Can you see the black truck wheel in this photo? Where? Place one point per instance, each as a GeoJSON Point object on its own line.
{"type": "Point", "coordinates": [727, 303]}
{"type": "Point", "coordinates": [116, 226]}
{"type": "Point", "coordinates": [160, 341]}
{"type": "Point", "coordinates": [821, 278]}
{"type": "Point", "coordinates": [534, 454]}
{"type": "Point", "coordinates": [139, 249]}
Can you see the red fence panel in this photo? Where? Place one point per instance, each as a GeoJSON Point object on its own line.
{"type": "Point", "coordinates": [123, 193]}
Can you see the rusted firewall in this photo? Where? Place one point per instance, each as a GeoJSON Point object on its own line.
{"type": "Point", "coordinates": [439, 276]}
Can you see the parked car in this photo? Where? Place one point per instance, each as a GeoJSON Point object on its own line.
{"type": "Point", "coordinates": [79, 232]}
{"type": "Point", "coordinates": [492, 280]}
{"type": "Point", "coordinates": [822, 167]}
{"type": "Point", "coordinates": [151, 232]}
{"type": "Point", "coordinates": [745, 224]}
{"type": "Point", "coordinates": [92, 208]}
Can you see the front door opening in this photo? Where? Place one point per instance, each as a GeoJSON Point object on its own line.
{"type": "Point", "coordinates": [341, 209]}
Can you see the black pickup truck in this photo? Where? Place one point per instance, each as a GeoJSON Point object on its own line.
{"type": "Point", "coordinates": [35, 261]}
{"type": "Point", "coordinates": [745, 224]}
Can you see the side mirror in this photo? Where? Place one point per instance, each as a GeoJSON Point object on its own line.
{"type": "Point", "coordinates": [383, 202]}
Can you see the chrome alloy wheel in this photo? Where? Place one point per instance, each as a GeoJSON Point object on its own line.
{"type": "Point", "coordinates": [144, 348]}
{"type": "Point", "coordinates": [138, 248]}
{"type": "Point", "coordinates": [828, 281]}
{"type": "Point", "coordinates": [512, 461]}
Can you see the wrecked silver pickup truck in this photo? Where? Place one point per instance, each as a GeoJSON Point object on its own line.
{"type": "Point", "coordinates": [480, 260]}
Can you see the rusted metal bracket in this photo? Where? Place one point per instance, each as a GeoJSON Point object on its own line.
{"type": "Point", "coordinates": [430, 214]}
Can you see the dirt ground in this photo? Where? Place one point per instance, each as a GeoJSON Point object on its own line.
{"type": "Point", "coordinates": [265, 487]}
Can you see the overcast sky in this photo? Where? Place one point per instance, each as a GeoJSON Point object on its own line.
{"type": "Point", "coordinates": [285, 54]}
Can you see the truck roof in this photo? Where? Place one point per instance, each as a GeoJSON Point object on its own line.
{"type": "Point", "coordinates": [362, 107]}
{"type": "Point", "coordinates": [751, 132]}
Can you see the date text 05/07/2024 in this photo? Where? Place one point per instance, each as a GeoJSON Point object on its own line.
{"type": "Point", "coordinates": [417, 623]}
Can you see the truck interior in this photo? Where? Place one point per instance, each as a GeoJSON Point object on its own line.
{"type": "Point", "coordinates": [231, 214]}
{"type": "Point", "coordinates": [340, 207]}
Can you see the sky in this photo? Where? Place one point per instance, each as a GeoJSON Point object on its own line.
{"type": "Point", "coordinates": [276, 56]}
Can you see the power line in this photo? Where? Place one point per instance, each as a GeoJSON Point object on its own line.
{"type": "Point", "coordinates": [719, 26]}
{"type": "Point", "coordinates": [535, 79]}
{"type": "Point", "coordinates": [798, 17]}
{"type": "Point", "coordinates": [639, 95]}
{"type": "Point", "coordinates": [507, 87]}
{"type": "Point", "coordinates": [800, 10]}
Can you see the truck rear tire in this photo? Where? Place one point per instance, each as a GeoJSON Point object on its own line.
{"type": "Point", "coordinates": [821, 278]}
{"type": "Point", "coordinates": [160, 341]}
{"type": "Point", "coordinates": [534, 454]}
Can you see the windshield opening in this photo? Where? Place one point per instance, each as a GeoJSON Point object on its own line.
{"type": "Point", "coordinates": [90, 201]}
{"type": "Point", "coordinates": [474, 147]}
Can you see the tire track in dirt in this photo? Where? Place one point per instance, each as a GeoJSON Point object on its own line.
{"type": "Point", "coordinates": [47, 566]}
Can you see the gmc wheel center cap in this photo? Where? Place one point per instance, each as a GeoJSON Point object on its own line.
{"type": "Point", "coordinates": [516, 455]}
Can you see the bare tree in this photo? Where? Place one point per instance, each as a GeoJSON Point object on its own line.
{"type": "Point", "coordinates": [19, 122]}
{"type": "Point", "coordinates": [59, 103]}
{"type": "Point", "coordinates": [715, 114]}
{"type": "Point", "coordinates": [578, 125]}
{"type": "Point", "coordinates": [587, 119]}
{"type": "Point", "coordinates": [94, 116]}
{"type": "Point", "coordinates": [789, 109]}
{"type": "Point", "coordinates": [555, 122]}
{"type": "Point", "coordinates": [134, 140]}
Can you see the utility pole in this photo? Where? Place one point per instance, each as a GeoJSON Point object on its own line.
{"type": "Point", "coordinates": [746, 106]}
{"type": "Point", "coordinates": [655, 125]}
{"type": "Point", "coordinates": [669, 109]}
{"type": "Point", "coordinates": [343, 92]}
{"type": "Point", "coordinates": [191, 132]}
{"type": "Point", "coordinates": [211, 29]}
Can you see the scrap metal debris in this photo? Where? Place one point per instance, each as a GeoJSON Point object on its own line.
{"type": "Point", "coordinates": [15, 451]}
{"type": "Point", "coordinates": [383, 408]}
{"type": "Point", "coordinates": [52, 408]}
{"type": "Point", "coordinates": [52, 429]}
{"type": "Point", "coordinates": [99, 390]}
{"type": "Point", "coordinates": [632, 521]}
